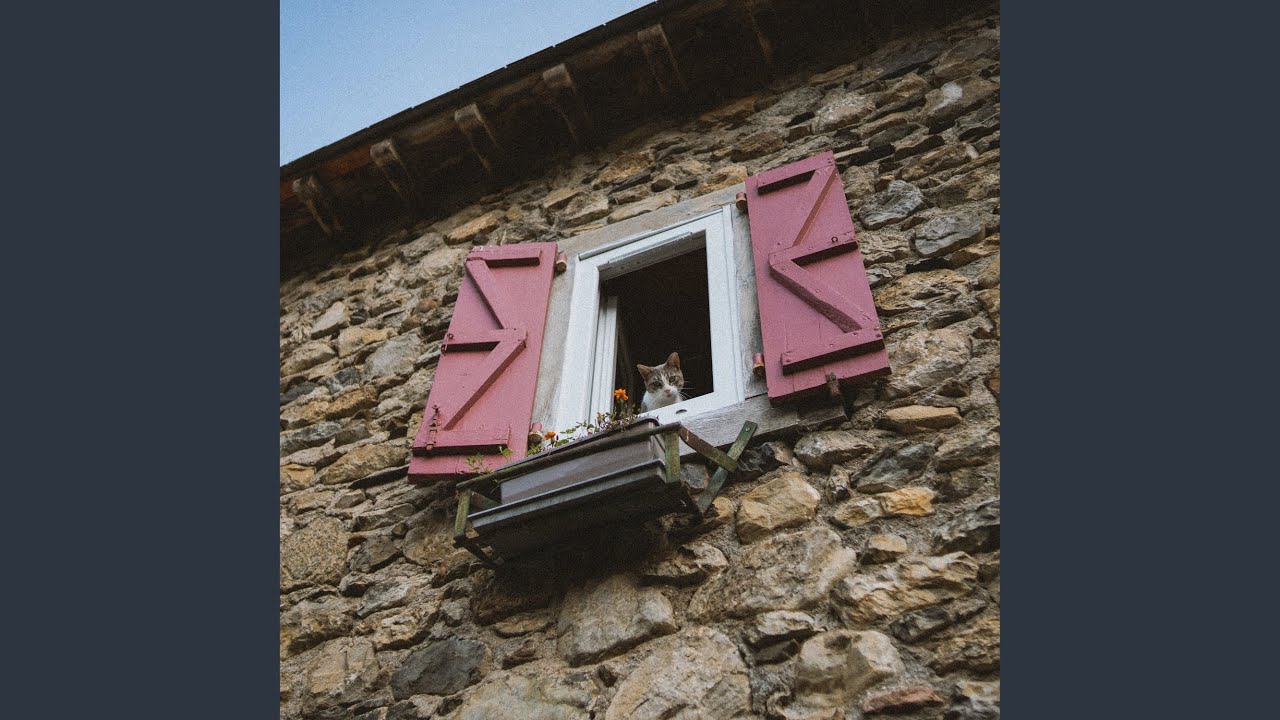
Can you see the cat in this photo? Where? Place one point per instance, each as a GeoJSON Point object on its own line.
{"type": "Point", "coordinates": [662, 384]}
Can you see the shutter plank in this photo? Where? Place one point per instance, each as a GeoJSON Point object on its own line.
{"type": "Point", "coordinates": [481, 399]}
{"type": "Point", "coordinates": [817, 315]}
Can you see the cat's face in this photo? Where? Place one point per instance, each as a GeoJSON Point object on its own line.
{"type": "Point", "coordinates": [662, 384]}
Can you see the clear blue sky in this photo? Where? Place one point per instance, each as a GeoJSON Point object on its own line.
{"type": "Point", "coordinates": [346, 65]}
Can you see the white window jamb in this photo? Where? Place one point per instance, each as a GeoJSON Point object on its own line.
{"type": "Point", "coordinates": [586, 385]}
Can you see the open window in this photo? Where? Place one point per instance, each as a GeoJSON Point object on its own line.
{"type": "Point", "coordinates": [759, 287]}
{"type": "Point", "coordinates": [643, 297]}
{"type": "Point", "coordinates": [650, 313]}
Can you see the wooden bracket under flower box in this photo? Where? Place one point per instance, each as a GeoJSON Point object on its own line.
{"type": "Point", "coordinates": [621, 475]}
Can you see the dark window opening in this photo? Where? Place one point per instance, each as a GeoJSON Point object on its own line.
{"type": "Point", "coordinates": [663, 308]}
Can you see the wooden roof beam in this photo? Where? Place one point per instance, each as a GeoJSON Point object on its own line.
{"type": "Point", "coordinates": [479, 134]}
{"type": "Point", "coordinates": [753, 9]}
{"type": "Point", "coordinates": [561, 92]}
{"type": "Point", "coordinates": [386, 155]}
{"type": "Point", "coordinates": [320, 203]}
{"type": "Point", "coordinates": [662, 62]}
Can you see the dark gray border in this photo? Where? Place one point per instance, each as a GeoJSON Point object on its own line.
{"type": "Point", "coordinates": [142, 287]}
{"type": "Point", "coordinates": [1133, 489]}
{"type": "Point", "coordinates": [142, 339]}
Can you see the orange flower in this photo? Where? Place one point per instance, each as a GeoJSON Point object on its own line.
{"type": "Point", "coordinates": [549, 435]}
{"type": "Point", "coordinates": [620, 395]}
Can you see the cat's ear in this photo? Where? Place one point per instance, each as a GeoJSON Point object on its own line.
{"type": "Point", "coordinates": [645, 371]}
{"type": "Point", "coordinates": [674, 360]}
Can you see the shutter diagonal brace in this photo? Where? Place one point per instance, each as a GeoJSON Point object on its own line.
{"type": "Point", "coordinates": [861, 331]}
{"type": "Point", "coordinates": [807, 206]}
{"type": "Point", "coordinates": [814, 290]}
{"type": "Point", "coordinates": [504, 344]}
{"type": "Point", "coordinates": [494, 295]}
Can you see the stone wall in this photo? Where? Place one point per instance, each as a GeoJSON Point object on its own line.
{"type": "Point", "coordinates": [850, 571]}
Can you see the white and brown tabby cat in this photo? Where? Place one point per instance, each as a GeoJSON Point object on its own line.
{"type": "Point", "coordinates": [662, 384]}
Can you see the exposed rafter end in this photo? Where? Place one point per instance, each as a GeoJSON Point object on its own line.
{"type": "Point", "coordinates": [318, 201]}
{"type": "Point", "coordinates": [562, 94]}
{"type": "Point", "coordinates": [386, 155]}
{"type": "Point", "coordinates": [471, 122]}
{"type": "Point", "coordinates": [662, 62]}
{"type": "Point", "coordinates": [752, 10]}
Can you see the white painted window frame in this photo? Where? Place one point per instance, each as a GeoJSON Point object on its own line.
{"type": "Point", "coordinates": [586, 380]}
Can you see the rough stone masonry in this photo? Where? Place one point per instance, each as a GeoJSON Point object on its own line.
{"type": "Point", "coordinates": [853, 572]}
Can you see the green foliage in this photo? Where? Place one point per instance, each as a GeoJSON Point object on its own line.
{"type": "Point", "coordinates": [477, 465]}
{"type": "Point", "coordinates": [622, 415]}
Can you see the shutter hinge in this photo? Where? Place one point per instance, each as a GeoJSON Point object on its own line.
{"type": "Point", "coordinates": [433, 428]}
{"type": "Point", "coordinates": [741, 202]}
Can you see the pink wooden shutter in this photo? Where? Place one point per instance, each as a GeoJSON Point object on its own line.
{"type": "Point", "coordinates": [817, 316]}
{"type": "Point", "coordinates": [482, 397]}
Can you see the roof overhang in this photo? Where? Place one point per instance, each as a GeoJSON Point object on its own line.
{"type": "Point", "coordinates": [668, 58]}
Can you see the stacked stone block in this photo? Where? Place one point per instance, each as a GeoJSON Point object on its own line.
{"type": "Point", "coordinates": [851, 571]}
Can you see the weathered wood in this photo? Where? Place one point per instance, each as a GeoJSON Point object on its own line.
{"type": "Point", "coordinates": [720, 427]}
{"type": "Point", "coordinates": [720, 475]}
{"type": "Point", "coordinates": [460, 520]}
{"type": "Point", "coordinates": [585, 446]}
{"type": "Point", "coordinates": [482, 502]}
{"type": "Point", "coordinates": [332, 169]}
{"type": "Point", "coordinates": [819, 413]}
{"type": "Point", "coordinates": [386, 155]}
{"type": "Point", "coordinates": [757, 9]}
{"type": "Point", "coordinates": [483, 394]}
{"type": "Point", "coordinates": [561, 92]}
{"type": "Point", "coordinates": [662, 62]}
{"type": "Point", "coordinates": [475, 128]}
{"type": "Point", "coordinates": [749, 317]}
{"type": "Point", "coordinates": [816, 291]}
{"type": "Point", "coordinates": [600, 480]}
{"type": "Point", "coordinates": [683, 44]}
{"type": "Point", "coordinates": [460, 537]}
{"type": "Point", "coordinates": [753, 9]}
{"type": "Point", "coordinates": [798, 213]}
{"type": "Point", "coordinates": [344, 164]}
{"type": "Point", "coordinates": [429, 132]}
{"type": "Point", "coordinates": [592, 59]}
{"type": "Point", "coordinates": [671, 449]}
{"type": "Point", "coordinates": [706, 449]}
{"type": "Point", "coordinates": [318, 202]}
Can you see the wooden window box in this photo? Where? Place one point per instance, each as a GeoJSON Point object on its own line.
{"type": "Point", "coordinates": [622, 475]}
